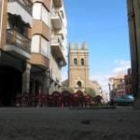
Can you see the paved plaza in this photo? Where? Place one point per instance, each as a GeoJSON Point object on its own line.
{"type": "Point", "coordinates": [122, 123]}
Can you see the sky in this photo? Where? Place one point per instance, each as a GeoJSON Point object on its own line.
{"type": "Point", "coordinates": [103, 25]}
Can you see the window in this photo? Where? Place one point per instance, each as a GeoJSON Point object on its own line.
{"type": "Point", "coordinates": [79, 84]}
{"type": "Point", "coordinates": [35, 44]}
{"type": "Point", "coordinates": [82, 61]}
{"type": "Point", "coordinates": [37, 11]}
{"type": "Point", "coordinates": [41, 13]}
{"type": "Point", "coordinates": [75, 61]}
{"type": "Point", "coordinates": [45, 16]}
{"type": "Point", "coordinates": [44, 47]}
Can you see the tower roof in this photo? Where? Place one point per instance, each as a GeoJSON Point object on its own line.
{"type": "Point", "coordinates": [85, 47]}
{"type": "Point", "coordinates": [78, 46]}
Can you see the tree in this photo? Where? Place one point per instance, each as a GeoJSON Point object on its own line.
{"type": "Point", "coordinates": [90, 91]}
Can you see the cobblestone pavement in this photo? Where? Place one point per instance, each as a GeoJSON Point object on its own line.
{"type": "Point", "coordinates": [69, 124]}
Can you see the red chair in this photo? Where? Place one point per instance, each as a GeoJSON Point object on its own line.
{"type": "Point", "coordinates": [66, 99]}
{"type": "Point", "coordinates": [56, 98]}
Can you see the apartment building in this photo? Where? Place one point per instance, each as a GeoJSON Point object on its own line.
{"type": "Point", "coordinates": [40, 47]}
{"type": "Point", "coordinates": [32, 47]}
{"type": "Point", "coordinates": [58, 55]}
{"type": "Point", "coordinates": [15, 40]}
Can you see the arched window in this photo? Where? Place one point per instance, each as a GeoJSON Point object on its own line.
{"type": "Point", "coordinates": [79, 84]}
{"type": "Point", "coordinates": [75, 61]}
{"type": "Point", "coordinates": [82, 61]}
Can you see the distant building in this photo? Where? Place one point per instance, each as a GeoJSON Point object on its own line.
{"type": "Point", "coordinates": [78, 70]}
{"type": "Point", "coordinates": [117, 85]}
{"type": "Point", "coordinates": [128, 82]}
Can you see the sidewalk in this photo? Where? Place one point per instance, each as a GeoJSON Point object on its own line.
{"type": "Point", "coordinates": [66, 124]}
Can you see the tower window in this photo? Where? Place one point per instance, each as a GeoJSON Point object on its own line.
{"type": "Point", "coordinates": [75, 61]}
{"type": "Point", "coordinates": [82, 61]}
{"type": "Point", "coordinates": [79, 84]}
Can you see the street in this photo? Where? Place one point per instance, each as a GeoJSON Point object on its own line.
{"type": "Point", "coordinates": [69, 124]}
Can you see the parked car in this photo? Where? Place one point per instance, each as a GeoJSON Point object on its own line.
{"type": "Point", "coordinates": [124, 100]}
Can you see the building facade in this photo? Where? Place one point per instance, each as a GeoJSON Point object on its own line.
{"type": "Point", "coordinates": [16, 25]}
{"type": "Point", "coordinates": [117, 86]}
{"type": "Point", "coordinates": [58, 54]}
{"type": "Point", "coordinates": [128, 82]}
{"type": "Point", "coordinates": [27, 47]}
{"type": "Point", "coordinates": [40, 47]}
{"type": "Point", "coordinates": [133, 7]}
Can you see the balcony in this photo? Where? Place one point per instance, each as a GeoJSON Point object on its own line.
{"type": "Point", "coordinates": [57, 50]}
{"type": "Point", "coordinates": [57, 20]}
{"type": "Point", "coordinates": [39, 61]}
{"type": "Point", "coordinates": [22, 8]}
{"type": "Point", "coordinates": [58, 3]}
{"type": "Point", "coordinates": [18, 44]}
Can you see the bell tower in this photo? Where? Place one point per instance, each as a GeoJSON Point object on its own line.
{"type": "Point", "coordinates": [78, 66]}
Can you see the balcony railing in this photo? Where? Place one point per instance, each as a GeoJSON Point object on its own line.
{"type": "Point", "coordinates": [56, 14]}
{"type": "Point", "coordinates": [57, 19]}
{"type": "Point", "coordinates": [19, 40]}
{"type": "Point", "coordinates": [26, 4]}
{"type": "Point", "coordinates": [56, 41]}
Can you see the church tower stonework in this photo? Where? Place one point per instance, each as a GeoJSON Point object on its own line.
{"type": "Point", "coordinates": [78, 67]}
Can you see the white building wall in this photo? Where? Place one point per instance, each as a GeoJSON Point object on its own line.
{"type": "Point", "coordinates": [62, 33]}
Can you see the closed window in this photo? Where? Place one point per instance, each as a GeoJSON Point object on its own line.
{"type": "Point", "coordinates": [35, 44]}
{"type": "Point", "coordinates": [41, 13]}
{"type": "Point", "coordinates": [44, 47]}
{"type": "Point", "coordinates": [37, 11]}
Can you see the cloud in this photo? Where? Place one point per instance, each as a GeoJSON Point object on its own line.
{"type": "Point", "coordinates": [102, 80]}
{"type": "Point", "coordinates": [121, 66]}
